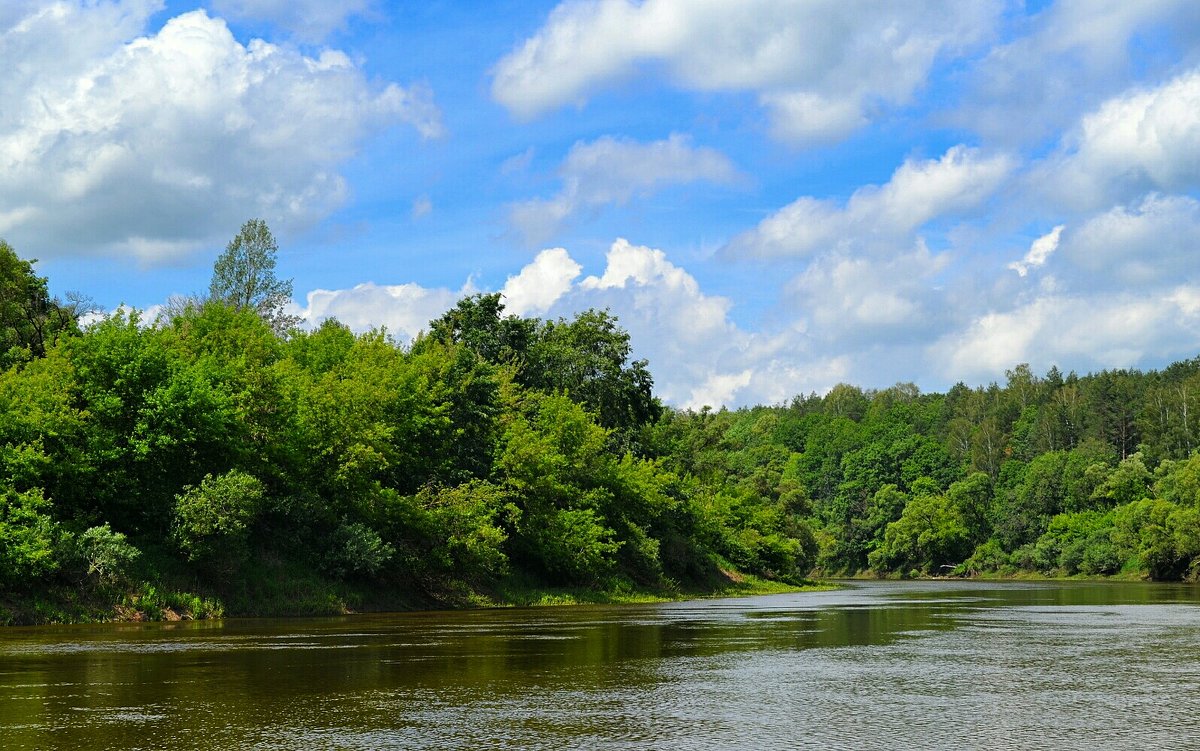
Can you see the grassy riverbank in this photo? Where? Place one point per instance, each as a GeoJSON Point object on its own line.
{"type": "Point", "coordinates": [313, 596]}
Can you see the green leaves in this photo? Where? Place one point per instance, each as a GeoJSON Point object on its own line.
{"type": "Point", "coordinates": [244, 277]}
{"type": "Point", "coordinates": [212, 519]}
{"type": "Point", "coordinates": [30, 321]}
{"type": "Point", "coordinates": [28, 537]}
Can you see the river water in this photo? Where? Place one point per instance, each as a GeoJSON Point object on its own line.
{"type": "Point", "coordinates": [938, 665]}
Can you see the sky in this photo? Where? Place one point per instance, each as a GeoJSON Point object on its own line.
{"type": "Point", "coordinates": [772, 196]}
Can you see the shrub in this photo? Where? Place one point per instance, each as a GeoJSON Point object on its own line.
{"type": "Point", "coordinates": [212, 519]}
{"type": "Point", "coordinates": [355, 548]}
{"type": "Point", "coordinates": [27, 537]}
{"type": "Point", "coordinates": [106, 554]}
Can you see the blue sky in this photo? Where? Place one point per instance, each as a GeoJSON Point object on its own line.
{"type": "Point", "coordinates": [772, 195]}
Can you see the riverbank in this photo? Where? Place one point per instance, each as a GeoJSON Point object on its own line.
{"type": "Point", "coordinates": [317, 597]}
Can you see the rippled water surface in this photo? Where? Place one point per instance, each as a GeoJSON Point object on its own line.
{"type": "Point", "coordinates": [949, 665]}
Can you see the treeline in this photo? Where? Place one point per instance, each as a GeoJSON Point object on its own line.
{"type": "Point", "coordinates": [219, 451]}
{"type": "Point", "coordinates": [1060, 475]}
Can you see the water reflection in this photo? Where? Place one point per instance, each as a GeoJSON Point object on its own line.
{"type": "Point", "coordinates": [877, 665]}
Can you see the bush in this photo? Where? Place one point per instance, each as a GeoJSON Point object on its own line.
{"type": "Point", "coordinates": [106, 554]}
{"type": "Point", "coordinates": [355, 548]}
{"type": "Point", "coordinates": [27, 537]}
{"type": "Point", "coordinates": [1100, 556]}
{"type": "Point", "coordinates": [989, 557]}
{"type": "Point", "coordinates": [212, 520]}
{"type": "Point", "coordinates": [574, 545]}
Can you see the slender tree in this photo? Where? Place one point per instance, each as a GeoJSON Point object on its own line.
{"type": "Point", "coordinates": [30, 320]}
{"type": "Point", "coordinates": [244, 277]}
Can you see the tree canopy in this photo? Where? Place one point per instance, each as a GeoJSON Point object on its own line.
{"type": "Point", "coordinates": [217, 456]}
{"type": "Point", "coordinates": [30, 320]}
{"type": "Point", "coordinates": [244, 276]}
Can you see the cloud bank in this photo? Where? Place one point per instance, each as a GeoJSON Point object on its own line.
{"type": "Point", "coordinates": [154, 145]}
{"type": "Point", "coordinates": [819, 69]}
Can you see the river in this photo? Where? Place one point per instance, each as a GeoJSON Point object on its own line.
{"type": "Point", "coordinates": [933, 665]}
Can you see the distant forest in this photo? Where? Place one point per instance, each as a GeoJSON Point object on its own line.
{"type": "Point", "coordinates": [219, 459]}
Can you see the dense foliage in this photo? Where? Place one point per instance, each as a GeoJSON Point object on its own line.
{"type": "Point", "coordinates": [208, 451]}
{"type": "Point", "coordinates": [1060, 475]}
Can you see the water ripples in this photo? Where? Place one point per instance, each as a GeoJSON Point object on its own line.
{"type": "Point", "coordinates": [945, 665]}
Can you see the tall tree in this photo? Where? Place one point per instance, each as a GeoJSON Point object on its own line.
{"type": "Point", "coordinates": [244, 277]}
{"type": "Point", "coordinates": [30, 320]}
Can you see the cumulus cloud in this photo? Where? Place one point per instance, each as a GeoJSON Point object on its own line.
{"type": "Point", "coordinates": [541, 283]}
{"type": "Point", "coordinates": [1116, 289]}
{"type": "Point", "coordinates": [1153, 242]}
{"type": "Point", "coordinates": [404, 309]}
{"type": "Point", "coordinates": [697, 353]}
{"type": "Point", "coordinates": [1139, 141]}
{"type": "Point", "coordinates": [1073, 54]}
{"type": "Point", "coordinates": [820, 69]}
{"type": "Point", "coordinates": [155, 145]}
{"type": "Point", "coordinates": [309, 20]}
{"type": "Point", "coordinates": [1081, 331]}
{"type": "Point", "coordinates": [856, 299]}
{"type": "Point", "coordinates": [1039, 251]}
{"type": "Point", "coordinates": [611, 171]}
{"type": "Point", "coordinates": [917, 193]}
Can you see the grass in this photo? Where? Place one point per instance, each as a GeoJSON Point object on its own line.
{"type": "Point", "coordinates": [280, 588]}
{"type": "Point", "coordinates": [522, 591]}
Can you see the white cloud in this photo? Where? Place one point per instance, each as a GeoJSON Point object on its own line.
{"type": "Point", "coordinates": [310, 20]}
{"type": "Point", "coordinates": [1139, 141]}
{"type": "Point", "coordinates": [541, 283]}
{"type": "Point", "coordinates": [1075, 53]}
{"type": "Point", "coordinates": [697, 354]}
{"type": "Point", "coordinates": [1154, 242]}
{"type": "Point", "coordinates": [852, 300]}
{"type": "Point", "coordinates": [720, 388]}
{"type": "Point", "coordinates": [611, 171]}
{"type": "Point", "coordinates": [918, 192]}
{"type": "Point", "coordinates": [1039, 251]}
{"type": "Point", "coordinates": [1084, 332]}
{"type": "Point", "coordinates": [156, 145]}
{"type": "Point", "coordinates": [820, 68]}
{"type": "Point", "coordinates": [405, 309]}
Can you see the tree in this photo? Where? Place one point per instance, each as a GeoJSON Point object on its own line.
{"type": "Point", "coordinates": [212, 519]}
{"type": "Point", "coordinates": [478, 321]}
{"type": "Point", "coordinates": [588, 358]}
{"type": "Point", "coordinates": [244, 277]}
{"type": "Point", "coordinates": [30, 320]}
{"type": "Point", "coordinates": [930, 533]}
{"type": "Point", "coordinates": [28, 536]}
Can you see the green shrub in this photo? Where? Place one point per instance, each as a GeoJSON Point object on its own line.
{"type": "Point", "coordinates": [28, 536]}
{"type": "Point", "coordinates": [106, 554]}
{"type": "Point", "coordinates": [212, 520]}
{"type": "Point", "coordinates": [355, 548]}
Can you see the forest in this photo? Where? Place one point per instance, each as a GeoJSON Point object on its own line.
{"type": "Point", "coordinates": [218, 459]}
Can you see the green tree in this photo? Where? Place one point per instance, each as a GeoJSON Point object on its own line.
{"type": "Point", "coordinates": [107, 555]}
{"type": "Point", "coordinates": [973, 499]}
{"type": "Point", "coordinates": [28, 537]}
{"type": "Point", "coordinates": [30, 320]}
{"type": "Point", "coordinates": [244, 277]}
{"type": "Point", "coordinates": [1179, 481]}
{"type": "Point", "coordinates": [479, 323]}
{"type": "Point", "coordinates": [212, 519]}
{"type": "Point", "coordinates": [929, 534]}
{"type": "Point", "coordinates": [588, 358]}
